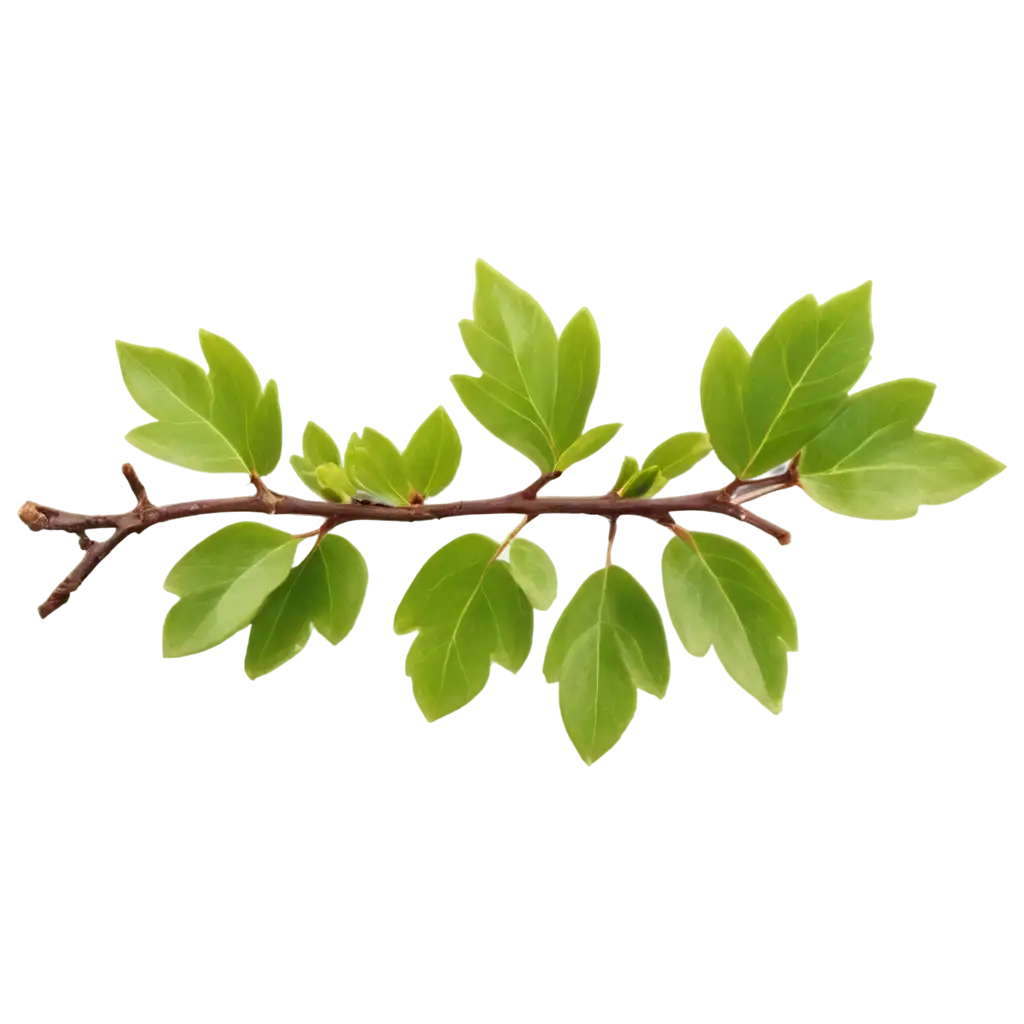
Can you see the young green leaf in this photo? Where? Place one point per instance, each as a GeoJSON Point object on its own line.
{"type": "Point", "coordinates": [334, 483]}
{"type": "Point", "coordinates": [265, 431]}
{"type": "Point", "coordinates": [579, 365]}
{"type": "Point", "coordinates": [375, 464]}
{"type": "Point", "coordinates": [800, 373]}
{"type": "Point", "coordinates": [719, 593]}
{"type": "Point", "coordinates": [608, 642]}
{"type": "Point", "coordinates": [587, 444]}
{"type": "Point", "coordinates": [721, 400]}
{"type": "Point", "coordinates": [432, 456]}
{"type": "Point", "coordinates": [678, 454]}
{"type": "Point", "coordinates": [326, 590]}
{"type": "Point", "coordinates": [534, 571]}
{"type": "Point", "coordinates": [177, 393]}
{"type": "Point", "coordinates": [236, 391]}
{"type": "Point", "coordinates": [630, 468]}
{"type": "Point", "coordinates": [517, 323]}
{"type": "Point", "coordinates": [508, 416]}
{"type": "Point", "coordinates": [640, 484]}
{"type": "Point", "coordinates": [469, 612]}
{"type": "Point", "coordinates": [318, 446]}
{"type": "Point", "coordinates": [221, 584]}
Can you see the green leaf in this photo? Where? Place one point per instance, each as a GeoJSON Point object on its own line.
{"type": "Point", "coordinates": [432, 456]}
{"type": "Point", "coordinates": [872, 415]}
{"type": "Point", "coordinates": [334, 483]}
{"type": "Point", "coordinates": [630, 468]}
{"type": "Point", "coordinates": [318, 446]}
{"type": "Point", "coordinates": [679, 454]}
{"type": "Point", "coordinates": [326, 590]}
{"type": "Point", "coordinates": [897, 476]}
{"type": "Point", "coordinates": [177, 393]}
{"type": "Point", "coordinates": [534, 571]}
{"type": "Point", "coordinates": [222, 582]}
{"type": "Point", "coordinates": [608, 642]}
{"type": "Point", "coordinates": [508, 416]}
{"type": "Point", "coordinates": [579, 365]}
{"type": "Point", "coordinates": [469, 612]}
{"type": "Point", "coordinates": [515, 320]}
{"type": "Point", "coordinates": [719, 593]}
{"type": "Point", "coordinates": [236, 391]}
{"type": "Point", "coordinates": [375, 464]}
{"type": "Point", "coordinates": [721, 400]}
{"type": "Point", "coordinates": [586, 445]}
{"type": "Point", "coordinates": [800, 373]}
{"type": "Point", "coordinates": [265, 431]}
{"type": "Point", "coordinates": [640, 484]}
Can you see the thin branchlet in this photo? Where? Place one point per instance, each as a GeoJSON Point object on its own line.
{"type": "Point", "coordinates": [526, 503]}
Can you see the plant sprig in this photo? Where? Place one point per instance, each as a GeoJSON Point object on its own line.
{"type": "Point", "coordinates": [779, 417]}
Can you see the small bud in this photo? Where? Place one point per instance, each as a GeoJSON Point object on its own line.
{"type": "Point", "coordinates": [30, 515]}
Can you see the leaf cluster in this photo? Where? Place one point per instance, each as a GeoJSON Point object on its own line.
{"type": "Point", "coordinates": [472, 603]}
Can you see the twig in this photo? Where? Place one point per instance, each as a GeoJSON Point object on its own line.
{"type": "Point", "coordinates": [266, 502]}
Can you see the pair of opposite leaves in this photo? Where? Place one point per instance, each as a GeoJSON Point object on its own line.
{"type": "Point", "coordinates": [860, 454]}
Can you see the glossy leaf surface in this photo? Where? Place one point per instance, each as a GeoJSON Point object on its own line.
{"type": "Point", "coordinates": [318, 446]}
{"type": "Point", "coordinates": [534, 571]}
{"type": "Point", "coordinates": [432, 456]}
{"type": "Point", "coordinates": [721, 400]}
{"type": "Point", "coordinates": [374, 464]}
{"type": "Point", "coordinates": [640, 484]}
{"type": "Point", "coordinates": [579, 366]}
{"type": "Point", "coordinates": [630, 468]}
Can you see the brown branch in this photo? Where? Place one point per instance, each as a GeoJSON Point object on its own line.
{"type": "Point", "coordinates": [728, 501]}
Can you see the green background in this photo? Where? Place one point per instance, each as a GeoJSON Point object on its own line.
{"type": "Point", "coordinates": [174, 846]}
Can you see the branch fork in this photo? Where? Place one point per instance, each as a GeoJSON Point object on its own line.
{"type": "Point", "coordinates": [729, 500]}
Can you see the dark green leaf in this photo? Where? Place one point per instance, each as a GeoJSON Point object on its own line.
{"type": "Point", "coordinates": [579, 365]}
{"type": "Point", "coordinates": [608, 642]}
{"type": "Point", "coordinates": [586, 445]}
{"type": "Point", "coordinates": [534, 572]}
{"type": "Point", "coordinates": [640, 483]}
{"type": "Point", "coordinates": [721, 400]}
{"type": "Point", "coordinates": [800, 372]}
{"type": "Point", "coordinates": [432, 456]}
{"type": "Point", "coordinates": [222, 582]}
{"type": "Point", "coordinates": [718, 592]}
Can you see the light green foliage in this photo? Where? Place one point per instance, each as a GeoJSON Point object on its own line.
{"type": "Point", "coordinates": [534, 571]}
{"type": "Point", "coordinates": [334, 483]}
{"type": "Point", "coordinates": [607, 643]}
{"type": "Point", "coordinates": [469, 612]}
{"type": "Point", "coordinates": [587, 444]}
{"type": "Point", "coordinates": [721, 399]}
{"type": "Point", "coordinates": [221, 584]}
{"type": "Point", "coordinates": [800, 373]}
{"type": "Point", "coordinates": [859, 455]}
{"type": "Point", "coordinates": [870, 462]}
{"type": "Point", "coordinates": [579, 366]}
{"type": "Point", "coordinates": [375, 465]}
{"type": "Point", "coordinates": [719, 593]}
{"type": "Point", "coordinates": [432, 456]}
{"type": "Point", "coordinates": [224, 422]}
{"type": "Point", "coordinates": [173, 396]}
{"type": "Point", "coordinates": [673, 457]}
{"type": "Point", "coordinates": [325, 590]}
{"type": "Point", "coordinates": [630, 468]}
{"type": "Point", "coordinates": [536, 389]}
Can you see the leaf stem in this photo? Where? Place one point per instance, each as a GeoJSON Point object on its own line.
{"type": "Point", "coordinates": [266, 502]}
